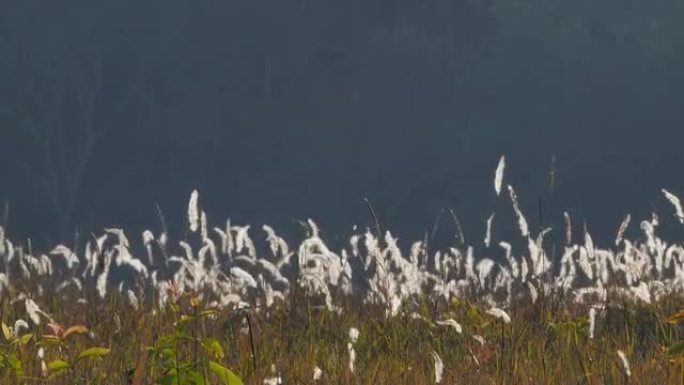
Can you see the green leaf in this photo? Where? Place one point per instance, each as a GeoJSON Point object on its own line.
{"type": "Point", "coordinates": [93, 352]}
{"type": "Point", "coordinates": [6, 332]}
{"type": "Point", "coordinates": [170, 378]}
{"type": "Point", "coordinates": [195, 378]}
{"type": "Point", "coordinates": [23, 340]}
{"type": "Point", "coordinates": [15, 364]}
{"type": "Point", "coordinates": [213, 346]}
{"type": "Point", "coordinates": [472, 313]}
{"type": "Point", "coordinates": [676, 349]}
{"type": "Point", "coordinates": [184, 376]}
{"type": "Point", "coordinates": [57, 365]}
{"type": "Point", "coordinates": [224, 374]}
{"type": "Point", "coordinates": [208, 312]}
{"type": "Point", "coordinates": [185, 319]}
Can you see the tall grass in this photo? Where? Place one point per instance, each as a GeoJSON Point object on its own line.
{"type": "Point", "coordinates": [216, 307]}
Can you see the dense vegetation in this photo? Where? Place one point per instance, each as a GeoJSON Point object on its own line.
{"type": "Point", "coordinates": [218, 307]}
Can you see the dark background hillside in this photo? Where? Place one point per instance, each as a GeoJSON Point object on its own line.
{"type": "Point", "coordinates": [279, 110]}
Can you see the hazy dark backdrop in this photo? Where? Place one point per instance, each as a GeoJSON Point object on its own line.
{"type": "Point", "coordinates": [278, 110]}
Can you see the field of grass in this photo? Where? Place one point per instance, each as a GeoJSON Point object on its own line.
{"type": "Point", "coordinates": [228, 306]}
{"type": "Point", "coordinates": [543, 344]}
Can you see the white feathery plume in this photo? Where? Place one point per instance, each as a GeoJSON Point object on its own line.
{"type": "Point", "coordinates": [568, 228]}
{"type": "Point", "coordinates": [227, 244]}
{"type": "Point", "coordinates": [622, 229]}
{"type": "Point", "coordinates": [43, 367]}
{"type": "Point", "coordinates": [3, 251]}
{"type": "Point", "coordinates": [500, 314]}
{"type": "Point", "coordinates": [533, 292]}
{"type": "Point", "coordinates": [439, 367]}
{"type": "Point", "coordinates": [243, 241]}
{"type": "Point", "coordinates": [589, 244]}
{"type": "Point", "coordinates": [34, 311]}
{"type": "Point", "coordinates": [484, 267]}
{"type": "Point", "coordinates": [193, 211]}
{"type": "Point", "coordinates": [395, 306]}
{"type": "Point", "coordinates": [584, 263]}
{"type": "Point", "coordinates": [148, 239]}
{"type": "Point", "coordinates": [204, 227]}
{"type": "Point", "coordinates": [68, 255]}
{"type": "Point", "coordinates": [102, 283]}
{"type": "Point", "coordinates": [522, 222]}
{"type": "Point", "coordinates": [452, 323]}
{"type": "Point", "coordinates": [18, 325]}
{"type": "Point", "coordinates": [314, 228]}
{"type": "Point", "coordinates": [124, 257]}
{"type": "Point", "coordinates": [479, 339]}
{"type": "Point", "coordinates": [498, 175]}
{"type": "Point", "coordinates": [271, 238]}
{"type": "Point", "coordinates": [273, 381]}
{"type": "Point", "coordinates": [642, 292]}
{"type": "Point", "coordinates": [244, 276]}
{"type": "Point", "coordinates": [488, 232]}
{"type": "Point", "coordinates": [352, 356]}
{"type": "Point", "coordinates": [317, 373]}
{"type": "Point", "coordinates": [676, 203]}
{"type": "Point", "coordinates": [132, 299]}
{"type": "Point", "coordinates": [625, 363]}
{"type": "Point", "coordinates": [120, 236]}
{"type": "Point", "coordinates": [353, 335]}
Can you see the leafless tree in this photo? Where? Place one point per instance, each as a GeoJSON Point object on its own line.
{"type": "Point", "coordinates": [64, 98]}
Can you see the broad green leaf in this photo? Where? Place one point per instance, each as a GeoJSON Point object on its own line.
{"type": "Point", "coordinates": [93, 352]}
{"type": "Point", "coordinates": [23, 340]}
{"type": "Point", "coordinates": [57, 365]}
{"type": "Point", "coordinates": [194, 378]}
{"type": "Point", "coordinates": [183, 376]}
{"type": "Point", "coordinates": [224, 374]}
{"type": "Point", "coordinates": [15, 364]}
{"type": "Point", "coordinates": [213, 346]}
{"type": "Point", "coordinates": [6, 332]}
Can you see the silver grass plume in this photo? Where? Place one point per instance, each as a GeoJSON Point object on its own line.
{"type": "Point", "coordinates": [500, 314]}
{"type": "Point", "coordinates": [676, 203]}
{"type": "Point", "coordinates": [488, 232]}
{"type": "Point", "coordinates": [193, 211]}
{"type": "Point", "coordinates": [568, 228]}
{"type": "Point", "coordinates": [522, 223]}
{"type": "Point", "coordinates": [621, 230]}
{"type": "Point", "coordinates": [317, 373]}
{"type": "Point", "coordinates": [625, 363]}
{"type": "Point", "coordinates": [498, 175]}
{"type": "Point", "coordinates": [439, 367]}
{"type": "Point", "coordinates": [353, 337]}
{"type": "Point", "coordinates": [452, 323]}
